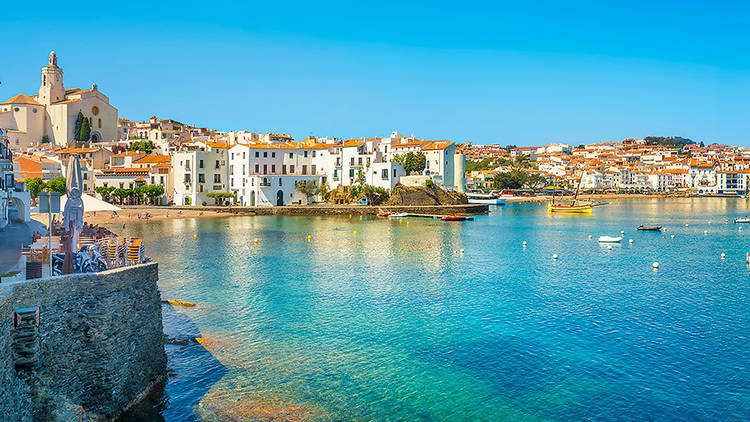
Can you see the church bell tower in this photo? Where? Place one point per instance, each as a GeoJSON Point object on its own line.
{"type": "Point", "coordinates": [51, 90]}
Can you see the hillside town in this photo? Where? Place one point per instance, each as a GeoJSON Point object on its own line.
{"type": "Point", "coordinates": [164, 162]}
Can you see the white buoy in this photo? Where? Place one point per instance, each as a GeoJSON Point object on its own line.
{"type": "Point", "coordinates": [524, 243]}
{"type": "Point", "coordinates": [723, 255]}
{"type": "Point", "coordinates": [705, 231]}
{"type": "Point", "coordinates": [686, 224]}
{"type": "Point", "coordinates": [672, 236]}
{"type": "Point", "coordinates": [462, 250]}
{"type": "Point", "coordinates": [589, 237]}
{"type": "Point", "coordinates": [655, 265]}
{"type": "Point", "coordinates": [554, 256]}
{"type": "Point", "coordinates": [622, 231]}
{"type": "Point", "coordinates": [609, 247]}
{"type": "Point", "coordinates": [630, 241]}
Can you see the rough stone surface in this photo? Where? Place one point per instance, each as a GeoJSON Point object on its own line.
{"type": "Point", "coordinates": [101, 344]}
{"type": "Point", "coordinates": [335, 209]}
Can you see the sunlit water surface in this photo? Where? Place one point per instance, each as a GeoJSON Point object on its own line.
{"type": "Point", "coordinates": [400, 324]}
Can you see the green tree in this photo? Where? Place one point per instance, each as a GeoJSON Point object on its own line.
{"type": "Point", "coordinates": [306, 187]}
{"type": "Point", "coordinates": [420, 162]}
{"type": "Point", "coordinates": [34, 186]}
{"type": "Point", "coordinates": [408, 163]}
{"type": "Point", "coordinates": [153, 192]}
{"type": "Point", "coordinates": [56, 185]}
{"type": "Point", "coordinates": [105, 191]}
{"type": "Point", "coordinates": [374, 195]}
{"type": "Point", "coordinates": [85, 133]}
{"type": "Point", "coordinates": [514, 179]}
{"type": "Point", "coordinates": [219, 197]}
{"type": "Point", "coordinates": [78, 125]}
{"type": "Point", "coordinates": [143, 146]}
{"type": "Point", "coordinates": [324, 191]}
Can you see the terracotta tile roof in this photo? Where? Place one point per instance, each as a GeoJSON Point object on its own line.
{"type": "Point", "coordinates": [437, 146]}
{"type": "Point", "coordinates": [154, 158]}
{"type": "Point", "coordinates": [21, 99]}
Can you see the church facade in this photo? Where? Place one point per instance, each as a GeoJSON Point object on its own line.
{"type": "Point", "coordinates": [50, 115]}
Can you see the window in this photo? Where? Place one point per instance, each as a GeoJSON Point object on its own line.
{"type": "Point", "coordinates": [351, 172]}
{"type": "Point", "coordinates": [217, 178]}
{"type": "Point", "coordinates": [304, 169]}
{"type": "Point", "coordinates": [265, 154]}
{"type": "Point", "coordinates": [217, 164]}
{"type": "Point", "coordinates": [385, 174]}
{"type": "Point", "coordinates": [313, 169]}
{"type": "Point", "coordinates": [279, 181]}
{"type": "Point", "coordinates": [200, 188]}
{"type": "Point", "coordinates": [352, 162]}
{"type": "Point", "coordinates": [152, 180]}
{"type": "Point", "coordinates": [265, 168]}
{"type": "Point", "coordinates": [185, 180]}
{"type": "Point", "coordinates": [85, 187]}
{"type": "Point", "coordinates": [305, 154]}
{"type": "Point", "coordinates": [256, 168]}
{"type": "Point", "coordinates": [359, 161]}
{"type": "Point", "coordinates": [313, 154]}
{"type": "Point", "coordinates": [257, 154]}
{"type": "Point", "coordinates": [243, 155]}
{"type": "Point", "coordinates": [232, 156]}
{"type": "Point", "coordinates": [161, 180]}
{"type": "Point", "coordinates": [201, 178]}
{"type": "Point", "coordinates": [200, 164]}
{"type": "Point", "coordinates": [394, 173]}
{"type": "Point", "coordinates": [291, 155]}
{"type": "Point", "coordinates": [273, 168]}
{"type": "Point", "coordinates": [85, 176]}
{"type": "Point", "coordinates": [130, 185]}
{"type": "Point", "coordinates": [273, 155]}
{"type": "Point", "coordinates": [283, 169]}
{"type": "Point", "coordinates": [100, 122]}
{"type": "Point", "coordinates": [231, 168]}
{"type": "Point", "coordinates": [291, 169]}
{"type": "Point", "coordinates": [122, 185]}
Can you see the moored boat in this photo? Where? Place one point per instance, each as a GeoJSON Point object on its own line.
{"type": "Point", "coordinates": [484, 198]}
{"type": "Point", "coordinates": [649, 228]}
{"type": "Point", "coordinates": [398, 215]}
{"type": "Point", "coordinates": [574, 206]}
{"type": "Point", "coordinates": [609, 239]}
{"type": "Point", "coordinates": [457, 218]}
{"type": "Point", "coordinates": [742, 220]}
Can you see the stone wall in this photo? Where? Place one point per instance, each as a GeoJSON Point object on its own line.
{"type": "Point", "coordinates": [100, 345]}
{"type": "Point", "coordinates": [336, 209]}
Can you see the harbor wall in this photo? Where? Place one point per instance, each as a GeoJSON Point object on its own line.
{"type": "Point", "coordinates": [99, 345]}
{"type": "Point", "coordinates": [335, 209]}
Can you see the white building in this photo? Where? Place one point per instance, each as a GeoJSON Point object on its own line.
{"type": "Point", "coordinates": [198, 171]}
{"type": "Point", "coordinates": [51, 114]}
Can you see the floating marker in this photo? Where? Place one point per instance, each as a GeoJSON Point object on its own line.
{"type": "Point", "coordinates": [554, 256]}
{"type": "Point", "coordinates": [389, 229]}
{"type": "Point", "coordinates": [462, 250]}
{"type": "Point", "coordinates": [609, 247]}
{"type": "Point", "coordinates": [723, 255]}
{"type": "Point", "coordinates": [672, 236]}
{"type": "Point", "coordinates": [747, 257]}
{"type": "Point", "coordinates": [350, 216]}
{"type": "Point", "coordinates": [589, 237]}
{"type": "Point", "coordinates": [705, 231]}
{"type": "Point", "coordinates": [195, 236]}
{"type": "Point", "coordinates": [622, 231]}
{"type": "Point", "coordinates": [360, 218]}
{"type": "Point", "coordinates": [686, 224]}
{"type": "Point", "coordinates": [524, 243]}
{"type": "Point", "coordinates": [309, 238]}
{"type": "Point", "coordinates": [355, 232]}
{"type": "Point", "coordinates": [407, 223]}
{"type": "Point", "coordinates": [655, 265]}
{"type": "Point", "coordinates": [256, 240]}
{"type": "Point", "coordinates": [630, 241]}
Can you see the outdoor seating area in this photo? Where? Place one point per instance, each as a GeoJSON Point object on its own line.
{"type": "Point", "coordinates": [95, 254]}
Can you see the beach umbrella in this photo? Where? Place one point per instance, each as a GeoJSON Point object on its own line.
{"type": "Point", "coordinates": [91, 204]}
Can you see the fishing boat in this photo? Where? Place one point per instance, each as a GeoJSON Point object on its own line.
{"type": "Point", "coordinates": [457, 218]}
{"type": "Point", "coordinates": [574, 207]}
{"type": "Point", "coordinates": [398, 215]}
{"type": "Point", "coordinates": [609, 239]}
{"type": "Point", "coordinates": [384, 214]}
{"type": "Point", "coordinates": [649, 228]}
{"type": "Point", "coordinates": [484, 198]}
{"type": "Point", "coordinates": [742, 220]}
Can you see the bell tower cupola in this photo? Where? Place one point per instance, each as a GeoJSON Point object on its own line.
{"type": "Point", "coordinates": [52, 89]}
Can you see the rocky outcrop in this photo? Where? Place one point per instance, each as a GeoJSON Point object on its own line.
{"type": "Point", "coordinates": [425, 195]}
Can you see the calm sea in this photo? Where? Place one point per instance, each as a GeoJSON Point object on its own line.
{"type": "Point", "coordinates": [425, 320]}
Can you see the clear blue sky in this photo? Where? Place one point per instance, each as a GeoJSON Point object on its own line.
{"type": "Point", "coordinates": [520, 73]}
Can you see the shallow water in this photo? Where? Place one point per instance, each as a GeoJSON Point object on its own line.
{"type": "Point", "coordinates": [400, 325]}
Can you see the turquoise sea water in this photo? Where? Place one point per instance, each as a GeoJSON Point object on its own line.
{"type": "Point", "coordinates": [401, 325]}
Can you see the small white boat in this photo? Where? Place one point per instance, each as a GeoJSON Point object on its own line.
{"type": "Point", "coordinates": [484, 198]}
{"type": "Point", "coordinates": [398, 215]}
{"type": "Point", "coordinates": [742, 220]}
{"type": "Point", "coordinates": [609, 239]}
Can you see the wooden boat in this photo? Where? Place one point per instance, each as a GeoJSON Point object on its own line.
{"type": "Point", "coordinates": [457, 218]}
{"type": "Point", "coordinates": [384, 214]}
{"type": "Point", "coordinates": [609, 239]}
{"type": "Point", "coordinates": [398, 215]}
{"type": "Point", "coordinates": [742, 220]}
{"type": "Point", "coordinates": [484, 198]}
{"type": "Point", "coordinates": [574, 206]}
{"type": "Point", "coordinates": [649, 228]}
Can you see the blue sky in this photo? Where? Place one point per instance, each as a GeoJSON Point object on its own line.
{"type": "Point", "coordinates": [522, 73]}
